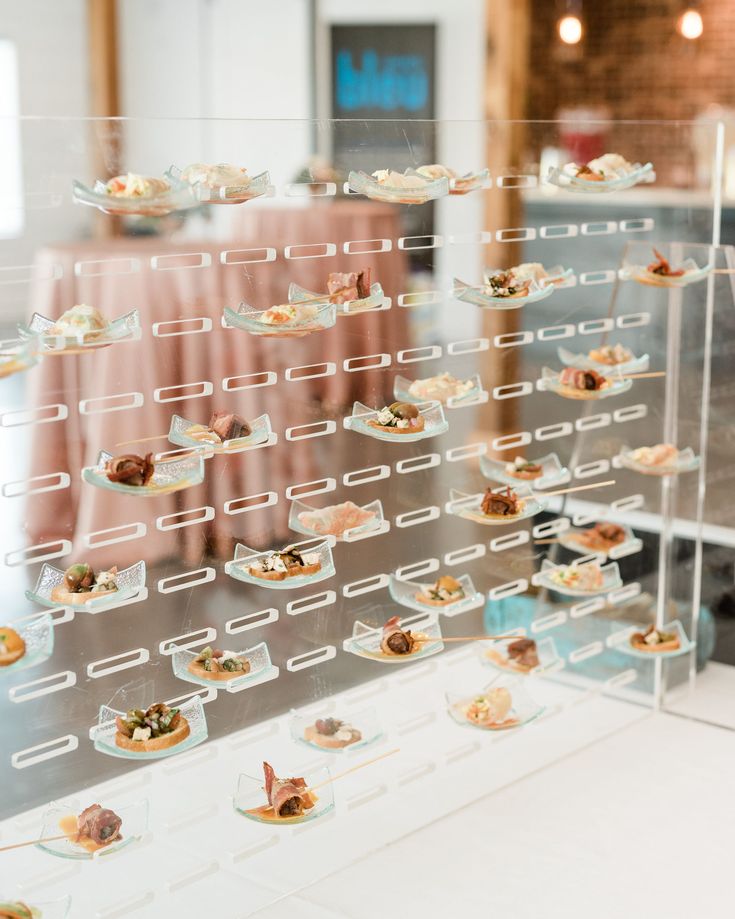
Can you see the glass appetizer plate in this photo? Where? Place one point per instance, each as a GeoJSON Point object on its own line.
{"type": "Point", "coordinates": [130, 581]}
{"type": "Point", "coordinates": [254, 187]}
{"type": "Point", "coordinates": [470, 181]}
{"type": "Point", "coordinates": [250, 800]}
{"type": "Point", "coordinates": [478, 297]}
{"type": "Point", "coordinates": [569, 539]}
{"type": "Point", "coordinates": [45, 909]}
{"type": "Point", "coordinates": [19, 354]}
{"type": "Point", "coordinates": [621, 642]}
{"type": "Point", "coordinates": [260, 433]}
{"type": "Point", "coordinates": [169, 476]}
{"type": "Point", "coordinates": [611, 579]}
{"type": "Point", "coordinates": [365, 721]}
{"type": "Point", "coordinates": [552, 472]}
{"type": "Point", "coordinates": [376, 301]}
{"type": "Point", "coordinates": [179, 197]}
{"type": "Point", "coordinates": [37, 631]}
{"type": "Point", "coordinates": [565, 177]}
{"type": "Point", "coordinates": [524, 709]}
{"type": "Point", "coordinates": [251, 320]}
{"type": "Point", "coordinates": [432, 412]}
{"type": "Point", "coordinates": [584, 362]}
{"type": "Point", "coordinates": [365, 640]}
{"type": "Point", "coordinates": [261, 669]}
{"type": "Point", "coordinates": [692, 273]}
{"type": "Point", "coordinates": [472, 396]}
{"type": "Point", "coordinates": [616, 385]}
{"type": "Point", "coordinates": [470, 506]}
{"type": "Point", "coordinates": [134, 826]}
{"type": "Point", "coordinates": [404, 592]}
{"type": "Point", "coordinates": [686, 461]}
{"type": "Point", "coordinates": [124, 328]}
{"type": "Point", "coordinates": [364, 184]}
{"type": "Point", "coordinates": [238, 567]}
{"type": "Point", "coordinates": [494, 655]}
{"type": "Point", "coordinates": [338, 521]}
{"type": "Point", "coordinates": [103, 733]}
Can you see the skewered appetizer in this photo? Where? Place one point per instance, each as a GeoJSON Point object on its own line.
{"type": "Point", "coordinates": [332, 734]}
{"type": "Point", "coordinates": [506, 285]}
{"type": "Point", "coordinates": [610, 355]}
{"type": "Point", "coordinates": [399, 418]}
{"type": "Point", "coordinates": [655, 640]}
{"type": "Point", "coordinates": [214, 176]}
{"type": "Point", "coordinates": [522, 468]}
{"type": "Point", "coordinates": [17, 910]}
{"type": "Point", "coordinates": [606, 167]}
{"type": "Point", "coordinates": [81, 583]}
{"type": "Point", "coordinates": [79, 320]}
{"type": "Point", "coordinates": [222, 426]}
{"type": "Point", "coordinates": [659, 455]}
{"type": "Point", "coordinates": [578, 577]}
{"type": "Point", "coordinates": [12, 646]}
{"type": "Point", "coordinates": [662, 267]}
{"type": "Point", "coordinates": [439, 388]}
{"type": "Point", "coordinates": [286, 797]}
{"type": "Point", "coordinates": [157, 728]}
{"type": "Point", "coordinates": [521, 654]}
{"type": "Point", "coordinates": [502, 503]}
{"type": "Point", "coordinates": [344, 287]}
{"type": "Point", "coordinates": [586, 380]}
{"type": "Point", "coordinates": [136, 186]}
{"type": "Point", "coordinates": [130, 469]}
{"type": "Point", "coordinates": [601, 537]}
{"type": "Point", "coordinates": [490, 710]}
{"type": "Point", "coordinates": [336, 519]}
{"type": "Point", "coordinates": [288, 563]}
{"type": "Point", "coordinates": [95, 828]}
{"type": "Point", "coordinates": [395, 640]}
{"type": "Point", "coordinates": [216, 665]}
{"type": "Point", "coordinates": [446, 590]}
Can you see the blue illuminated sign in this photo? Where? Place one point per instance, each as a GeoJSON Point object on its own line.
{"type": "Point", "coordinates": [388, 82]}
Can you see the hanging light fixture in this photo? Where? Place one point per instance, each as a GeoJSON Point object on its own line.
{"type": "Point", "coordinates": [569, 26]}
{"type": "Point", "coordinates": [690, 24]}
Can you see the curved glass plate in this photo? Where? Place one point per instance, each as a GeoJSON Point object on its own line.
{"type": "Point", "coordinates": [250, 799]}
{"type": "Point", "coordinates": [365, 721]}
{"type": "Point", "coordinates": [524, 708]}
{"type": "Point", "coordinates": [364, 184]}
{"type": "Point", "coordinates": [621, 642]}
{"type": "Point", "coordinates": [172, 475]}
{"type": "Point", "coordinates": [178, 198]}
{"type": "Point", "coordinates": [255, 187]}
{"type": "Point", "coordinates": [616, 385]}
{"type": "Point", "coordinates": [129, 583]}
{"type": "Point", "coordinates": [338, 521]}
{"type": "Point", "coordinates": [686, 461]}
{"type": "Point", "coordinates": [611, 579]}
{"type": "Point", "coordinates": [434, 423]}
{"type": "Point", "coordinates": [124, 328]}
{"type": "Point", "coordinates": [375, 302]}
{"type": "Point", "coordinates": [569, 539]}
{"type": "Point", "coordinates": [37, 631]}
{"type": "Point", "coordinates": [552, 472]}
{"type": "Point", "coordinates": [103, 733]}
{"type": "Point", "coordinates": [238, 567]}
{"type": "Point", "coordinates": [495, 654]}
{"type": "Point", "coordinates": [470, 507]}
{"type": "Point", "coordinates": [566, 178]}
{"type": "Point", "coordinates": [44, 909]}
{"type": "Point", "coordinates": [470, 181]}
{"type": "Point", "coordinates": [405, 593]}
{"type": "Point", "coordinates": [478, 297]}
{"type": "Point", "coordinates": [19, 354]}
{"type": "Point", "coordinates": [692, 274]}
{"type": "Point", "coordinates": [260, 433]}
{"type": "Point", "coordinates": [134, 825]}
{"type": "Point", "coordinates": [440, 391]}
{"type": "Point", "coordinates": [583, 362]}
{"type": "Point", "coordinates": [258, 657]}
{"type": "Point", "coordinates": [251, 320]}
{"type": "Point", "coordinates": [365, 641]}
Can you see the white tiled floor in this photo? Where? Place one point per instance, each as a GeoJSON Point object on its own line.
{"type": "Point", "coordinates": [641, 824]}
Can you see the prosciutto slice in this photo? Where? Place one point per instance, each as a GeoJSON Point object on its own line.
{"type": "Point", "coordinates": [287, 797]}
{"type": "Point", "coordinates": [336, 519]}
{"type": "Point", "coordinates": [581, 379]}
{"type": "Point", "coordinates": [99, 823]}
{"type": "Point", "coordinates": [395, 640]}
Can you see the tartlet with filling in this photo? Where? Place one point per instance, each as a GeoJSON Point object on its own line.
{"type": "Point", "coordinates": [445, 591]}
{"type": "Point", "coordinates": [157, 728]}
{"type": "Point", "coordinates": [490, 710]}
{"type": "Point", "coordinates": [399, 418]}
{"type": "Point", "coordinates": [655, 640]}
{"type": "Point", "coordinates": [522, 468]}
{"type": "Point", "coordinates": [288, 563]}
{"type": "Point", "coordinates": [219, 666]}
{"type": "Point", "coordinates": [332, 734]}
{"type": "Point", "coordinates": [12, 646]}
{"type": "Point", "coordinates": [81, 584]}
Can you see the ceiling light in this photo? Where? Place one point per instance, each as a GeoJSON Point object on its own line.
{"type": "Point", "coordinates": [570, 29]}
{"type": "Point", "coordinates": [690, 24]}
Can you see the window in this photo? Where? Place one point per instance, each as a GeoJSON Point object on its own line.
{"type": "Point", "coordinates": [11, 176]}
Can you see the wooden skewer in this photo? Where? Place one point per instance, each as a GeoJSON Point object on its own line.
{"type": "Point", "coordinates": [544, 542]}
{"type": "Point", "coordinates": [141, 440]}
{"type": "Point", "coordinates": [469, 638]}
{"type": "Point", "coordinates": [644, 376]}
{"type": "Point", "coordinates": [33, 842]}
{"type": "Point", "coordinates": [340, 775]}
{"type": "Point", "coordinates": [567, 491]}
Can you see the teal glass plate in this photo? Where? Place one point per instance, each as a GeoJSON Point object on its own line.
{"type": "Point", "coordinates": [376, 302]}
{"type": "Point", "coordinates": [130, 581]}
{"type": "Point", "coordinates": [437, 389]}
{"type": "Point", "coordinates": [19, 354]}
{"type": "Point", "coordinates": [523, 711]}
{"type": "Point", "coordinates": [611, 579]}
{"type": "Point", "coordinates": [255, 187]}
{"type": "Point", "coordinates": [37, 631]}
{"type": "Point", "coordinates": [337, 520]}
{"type": "Point", "coordinates": [616, 386]}
{"type": "Point", "coordinates": [583, 362]}
{"type": "Point", "coordinates": [250, 796]}
{"type": "Point", "coordinates": [364, 720]}
{"type": "Point", "coordinates": [365, 640]}
{"type": "Point", "coordinates": [134, 826]}
{"type": "Point", "coordinates": [238, 567]}
{"type": "Point", "coordinates": [432, 412]}
{"type": "Point", "coordinates": [124, 328]}
{"type": "Point", "coordinates": [470, 507]}
{"type": "Point", "coordinates": [363, 184]}
{"type": "Point", "coordinates": [261, 669]}
{"type": "Point", "coordinates": [566, 178]}
{"type": "Point", "coordinates": [249, 319]}
{"type": "Point", "coordinates": [686, 461]}
{"type": "Point", "coordinates": [621, 642]}
{"type": "Point", "coordinates": [261, 433]}
{"type": "Point", "coordinates": [179, 197]}
{"type": "Point", "coordinates": [552, 472]}
{"type": "Point", "coordinates": [405, 592]}
{"type": "Point", "coordinates": [494, 654]}
{"type": "Point", "coordinates": [169, 476]}
{"type": "Point", "coordinates": [103, 733]}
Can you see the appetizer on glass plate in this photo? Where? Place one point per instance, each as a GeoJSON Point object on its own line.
{"type": "Point", "coordinates": [443, 388]}
{"type": "Point", "coordinates": [155, 732]}
{"type": "Point", "coordinates": [19, 354]}
{"type": "Point", "coordinates": [668, 641]}
{"type": "Point", "coordinates": [286, 320]}
{"type": "Point", "coordinates": [336, 734]}
{"type": "Point", "coordinates": [26, 642]}
{"type": "Point", "coordinates": [227, 432]}
{"type": "Point", "coordinates": [398, 187]}
{"type": "Point", "coordinates": [580, 579]}
{"type": "Point", "coordinates": [511, 288]}
{"type": "Point", "coordinates": [394, 643]}
{"type": "Point", "coordinates": [48, 909]}
{"type": "Point", "coordinates": [401, 421]}
{"type": "Point", "coordinates": [661, 459]}
{"type": "Point", "coordinates": [450, 595]}
{"type": "Point", "coordinates": [603, 539]}
{"type": "Point", "coordinates": [605, 358]}
{"type": "Point", "coordinates": [661, 273]}
{"type": "Point", "coordinates": [80, 330]}
{"type": "Point", "coordinates": [287, 801]}
{"type": "Point", "coordinates": [294, 566]}
{"type": "Point", "coordinates": [495, 506]}
{"type": "Point", "coordinates": [139, 475]}
{"type": "Point", "coordinates": [609, 172]}
{"type": "Point", "coordinates": [351, 291]}
{"type": "Point", "coordinates": [346, 521]}
{"type": "Point", "coordinates": [572, 383]}
{"type": "Point", "coordinates": [229, 670]}
{"type": "Point", "coordinates": [544, 472]}
{"type": "Point", "coordinates": [458, 184]}
{"type": "Point", "coordinates": [96, 831]}
{"type": "Point", "coordinates": [221, 183]}
{"type": "Point", "coordinates": [501, 705]}
{"type": "Point", "coordinates": [83, 588]}
{"type": "Point", "coordinates": [523, 655]}
{"type": "Point", "coordinates": [133, 194]}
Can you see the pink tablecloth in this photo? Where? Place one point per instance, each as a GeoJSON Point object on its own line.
{"type": "Point", "coordinates": [154, 362]}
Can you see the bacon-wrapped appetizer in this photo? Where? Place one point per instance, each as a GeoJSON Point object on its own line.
{"type": "Point", "coordinates": [582, 379]}
{"type": "Point", "coordinates": [395, 640]}
{"type": "Point", "coordinates": [502, 503]}
{"type": "Point", "coordinates": [287, 797]}
{"type": "Point", "coordinates": [130, 469]}
{"type": "Point", "coordinates": [95, 828]}
{"type": "Point", "coordinates": [662, 266]}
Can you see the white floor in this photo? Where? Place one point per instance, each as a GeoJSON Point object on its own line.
{"type": "Point", "coordinates": [641, 824]}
